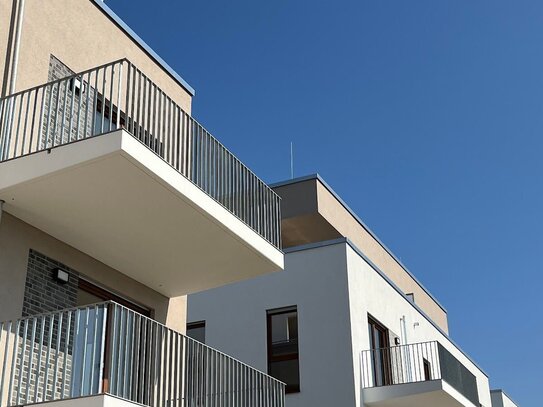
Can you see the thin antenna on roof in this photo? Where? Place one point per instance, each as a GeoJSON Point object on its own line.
{"type": "Point", "coordinates": [291, 160]}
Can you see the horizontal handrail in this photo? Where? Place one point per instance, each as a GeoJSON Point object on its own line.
{"type": "Point", "coordinates": [413, 363]}
{"type": "Point", "coordinates": [119, 95]}
{"type": "Point", "coordinates": [106, 348]}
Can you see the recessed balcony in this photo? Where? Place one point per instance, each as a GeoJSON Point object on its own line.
{"type": "Point", "coordinates": [422, 374]}
{"type": "Point", "coordinates": [106, 162]}
{"type": "Point", "coordinates": [81, 355]}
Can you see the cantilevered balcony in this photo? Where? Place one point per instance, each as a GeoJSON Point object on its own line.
{"type": "Point", "coordinates": [108, 350]}
{"type": "Point", "coordinates": [422, 374]}
{"type": "Point", "coordinates": [105, 161]}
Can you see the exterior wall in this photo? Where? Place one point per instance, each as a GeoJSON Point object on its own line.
{"type": "Point", "coordinates": [370, 293]}
{"type": "Point", "coordinates": [5, 18]}
{"type": "Point", "coordinates": [500, 399]}
{"type": "Point", "coordinates": [17, 238]}
{"type": "Point", "coordinates": [312, 213]}
{"type": "Point", "coordinates": [82, 37]}
{"type": "Point", "coordinates": [235, 318]}
{"type": "Point", "coordinates": [349, 227]}
{"type": "Point", "coordinates": [335, 289]}
{"type": "Point", "coordinates": [42, 292]}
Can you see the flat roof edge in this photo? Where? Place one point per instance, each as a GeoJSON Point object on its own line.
{"type": "Point", "coordinates": [316, 176]}
{"type": "Point", "coordinates": [123, 26]}
{"type": "Point", "coordinates": [344, 240]}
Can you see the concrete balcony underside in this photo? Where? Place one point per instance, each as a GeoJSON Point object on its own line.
{"type": "Point", "coordinates": [430, 393]}
{"type": "Point", "coordinates": [114, 199]}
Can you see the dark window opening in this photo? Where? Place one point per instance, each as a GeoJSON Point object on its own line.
{"type": "Point", "coordinates": [89, 293]}
{"type": "Point", "coordinates": [197, 331]}
{"type": "Point", "coordinates": [381, 359]}
{"type": "Point", "coordinates": [427, 370]}
{"type": "Point", "coordinates": [283, 356]}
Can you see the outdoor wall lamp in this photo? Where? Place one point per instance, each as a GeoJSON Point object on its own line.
{"type": "Point", "coordinates": [61, 276]}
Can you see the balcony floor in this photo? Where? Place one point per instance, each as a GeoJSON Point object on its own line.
{"type": "Point", "coordinates": [114, 199]}
{"type": "Point", "coordinates": [420, 394]}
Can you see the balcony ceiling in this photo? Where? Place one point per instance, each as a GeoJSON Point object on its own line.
{"type": "Point", "coordinates": [428, 393]}
{"type": "Point", "coordinates": [114, 199]}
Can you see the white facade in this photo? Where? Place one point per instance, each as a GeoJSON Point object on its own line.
{"type": "Point", "coordinates": [335, 288]}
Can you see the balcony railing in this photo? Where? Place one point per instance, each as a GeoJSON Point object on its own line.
{"type": "Point", "coordinates": [108, 349]}
{"type": "Point", "coordinates": [119, 95]}
{"type": "Point", "coordinates": [417, 363]}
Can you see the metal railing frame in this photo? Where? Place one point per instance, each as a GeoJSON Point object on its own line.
{"type": "Point", "coordinates": [106, 348]}
{"type": "Point", "coordinates": [119, 95]}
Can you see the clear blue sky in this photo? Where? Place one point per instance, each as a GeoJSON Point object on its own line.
{"type": "Point", "coordinates": [426, 116]}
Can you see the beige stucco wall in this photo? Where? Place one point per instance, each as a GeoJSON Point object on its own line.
{"type": "Point", "coordinates": [5, 17]}
{"type": "Point", "coordinates": [331, 209]}
{"type": "Point", "coordinates": [17, 237]}
{"type": "Point", "coordinates": [81, 36]}
{"type": "Point", "coordinates": [311, 213]}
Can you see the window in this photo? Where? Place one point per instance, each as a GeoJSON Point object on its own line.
{"type": "Point", "coordinates": [427, 369]}
{"type": "Point", "coordinates": [197, 331]}
{"type": "Point", "coordinates": [90, 293]}
{"type": "Point", "coordinates": [283, 360]}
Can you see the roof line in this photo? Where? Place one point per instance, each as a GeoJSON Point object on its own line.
{"type": "Point", "coordinates": [123, 26]}
{"type": "Point", "coordinates": [361, 222]}
{"type": "Point", "coordinates": [344, 240]}
{"type": "Point", "coordinates": [505, 394]}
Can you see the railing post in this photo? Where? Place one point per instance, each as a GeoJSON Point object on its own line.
{"type": "Point", "coordinates": [109, 321]}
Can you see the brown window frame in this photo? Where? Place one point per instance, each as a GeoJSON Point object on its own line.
{"type": "Point", "coordinates": [290, 388]}
{"type": "Point", "coordinates": [107, 295]}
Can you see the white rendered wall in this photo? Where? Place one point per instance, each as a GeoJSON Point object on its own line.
{"type": "Point", "coordinates": [370, 293]}
{"type": "Point", "coordinates": [315, 281]}
{"type": "Point", "coordinates": [500, 399]}
{"type": "Point", "coordinates": [333, 302]}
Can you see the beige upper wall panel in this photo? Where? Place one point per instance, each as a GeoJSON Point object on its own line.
{"type": "Point", "coordinates": [332, 210]}
{"type": "Point", "coordinates": [311, 213]}
{"type": "Point", "coordinates": [82, 36]}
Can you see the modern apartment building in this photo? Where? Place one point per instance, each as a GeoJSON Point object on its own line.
{"type": "Point", "coordinates": [346, 323]}
{"type": "Point", "coordinates": [115, 203]}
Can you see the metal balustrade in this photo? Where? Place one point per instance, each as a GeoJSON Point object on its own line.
{"type": "Point", "coordinates": [119, 95]}
{"type": "Point", "coordinates": [109, 349]}
{"type": "Point", "coordinates": [415, 363]}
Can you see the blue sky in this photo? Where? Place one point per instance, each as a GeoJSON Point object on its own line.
{"type": "Point", "coordinates": [426, 116]}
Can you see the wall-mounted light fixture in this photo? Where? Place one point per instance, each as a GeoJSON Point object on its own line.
{"type": "Point", "coordinates": [61, 276]}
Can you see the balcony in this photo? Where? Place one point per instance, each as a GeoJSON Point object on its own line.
{"type": "Point", "coordinates": [422, 374]}
{"type": "Point", "coordinates": [106, 162]}
{"type": "Point", "coordinates": [106, 349]}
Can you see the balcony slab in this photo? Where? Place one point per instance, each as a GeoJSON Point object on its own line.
{"type": "Point", "coordinates": [427, 393]}
{"type": "Point", "coordinates": [114, 199]}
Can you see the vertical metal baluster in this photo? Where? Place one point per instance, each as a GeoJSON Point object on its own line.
{"type": "Point", "coordinates": [94, 130]}
{"type": "Point", "coordinates": [4, 355]}
{"type": "Point", "coordinates": [112, 67]}
{"type": "Point", "coordinates": [30, 358]}
{"type": "Point", "coordinates": [128, 113]}
{"type": "Point", "coordinates": [57, 352]}
{"type": "Point", "coordinates": [104, 101]}
{"type": "Point", "coordinates": [79, 102]}
{"type": "Point", "coordinates": [66, 82]}
{"type": "Point", "coordinates": [85, 338]}
{"type": "Point", "coordinates": [27, 110]}
{"type": "Point", "coordinates": [13, 363]}
{"type": "Point", "coordinates": [138, 131]}
{"type": "Point", "coordinates": [145, 108]}
{"type": "Point", "coordinates": [55, 129]}
{"type": "Point", "coordinates": [87, 89]}
{"type": "Point", "coordinates": [94, 342]}
{"type": "Point", "coordinates": [47, 357]}
{"type": "Point", "coordinates": [66, 349]}
{"type": "Point", "coordinates": [38, 369]}
{"type": "Point", "coordinates": [49, 116]}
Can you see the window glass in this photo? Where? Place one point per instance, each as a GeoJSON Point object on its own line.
{"type": "Point", "coordinates": [197, 331]}
{"type": "Point", "coordinates": [283, 360]}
